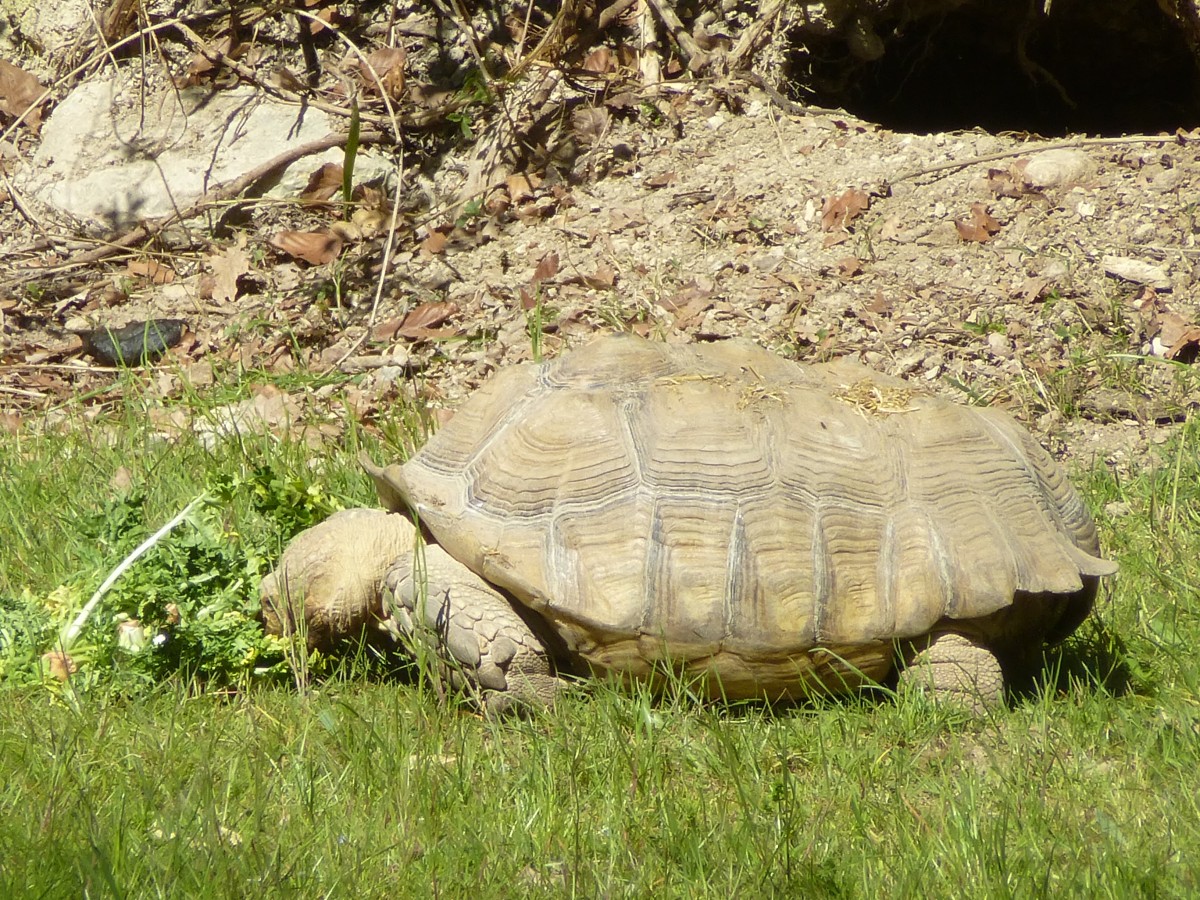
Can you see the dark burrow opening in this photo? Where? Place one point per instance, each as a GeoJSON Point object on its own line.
{"type": "Point", "coordinates": [1104, 67]}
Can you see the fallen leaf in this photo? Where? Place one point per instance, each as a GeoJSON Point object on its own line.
{"type": "Point", "coordinates": [270, 410]}
{"type": "Point", "coordinates": [880, 305]}
{"type": "Point", "coordinates": [19, 90]}
{"type": "Point", "coordinates": [201, 64]}
{"type": "Point", "coordinates": [285, 79]}
{"type": "Point", "coordinates": [849, 267]}
{"type": "Point", "coordinates": [388, 63]}
{"type": "Point", "coordinates": [153, 271]}
{"type": "Point", "coordinates": [315, 247]}
{"type": "Point", "coordinates": [428, 315]}
{"type": "Point", "coordinates": [520, 187]}
{"type": "Point", "coordinates": [838, 212]}
{"type": "Point", "coordinates": [980, 227]}
{"type": "Point", "coordinates": [589, 123]}
{"type": "Point", "coordinates": [599, 61]}
{"type": "Point", "coordinates": [323, 184]}
{"type": "Point", "coordinates": [1136, 270]}
{"type": "Point", "coordinates": [324, 18]}
{"type": "Point", "coordinates": [1033, 289]}
{"type": "Point", "coordinates": [369, 222]}
{"type": "Point", "coordinates": [689, 303]}
{"type": "Point", "coordinates": [1002, 184]}
{"type": "Point", "coordinates": [227, 268]}
{"type": "Point", "coordinates": [546, 269]}
{"type": "Point", "coordinates": [122, 480]}
{"type": "Point", "coordinates": [1177, 338]}
{"type": "Point", "coordinates": [604, 277]}
{"type": "Point", "coordinates": [434, 244]}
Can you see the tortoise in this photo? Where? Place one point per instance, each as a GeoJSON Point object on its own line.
{"type": "Point", "coordinates": [761, 528]}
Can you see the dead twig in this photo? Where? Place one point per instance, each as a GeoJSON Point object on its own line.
{"type": "Point", "coordinates": [752, 37]}
{"type": "Point", "coordinates": [788, 106]}
{"type": "Point", "coordinates": [649, 65]}
{"type": "Point", "coordinates": [613, 11]}
{"type": "Point", "coordinates": [1073, 143]}
{"type": "Point", "coordinates": [693, 54]}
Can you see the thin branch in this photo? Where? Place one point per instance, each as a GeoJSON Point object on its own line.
{"type": "Point", "coordinates": [692, 52]}
{"type": "Point", "coordinates": [1073, 143]}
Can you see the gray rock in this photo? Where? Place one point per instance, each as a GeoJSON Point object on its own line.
{"type": "Point", "coordinates": [114, 153]}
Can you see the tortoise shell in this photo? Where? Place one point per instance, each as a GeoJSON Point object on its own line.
{"type": "Point", "coordinates": [728, 510]}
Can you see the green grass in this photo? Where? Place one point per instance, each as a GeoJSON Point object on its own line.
{"type": "Point", "coordinates": [186, 781]}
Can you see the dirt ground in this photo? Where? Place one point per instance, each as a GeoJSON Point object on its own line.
{"type": "Point", "coordinates": [1057, 279]}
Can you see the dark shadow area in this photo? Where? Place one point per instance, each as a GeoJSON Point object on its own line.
{"type": "Point", "coordinates": [1103, 67]}
{"type": "Point", "coordinates": [1093, 656]}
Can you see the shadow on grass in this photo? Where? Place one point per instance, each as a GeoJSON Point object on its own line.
{"type": "Point", "coordinates": [1093, 659]}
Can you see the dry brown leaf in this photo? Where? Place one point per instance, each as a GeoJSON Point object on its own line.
{"type": "Point", "coordinates": [520, 187]}
{"type": "Point", "coordinates": [122, 480]}
{"type": "Point", "coordinates": [980, 228]}
{"type": "Point", "coordinates": [880, 305]}
{"type": "Point", "coordinates": [604, 277]}
{"type": "Point", "coordinates": [1033, 289]}
{"type": "Point", "coordinates": [323, 184]}
{"type": "Point", "coordinates": [287, 80]}
{"type": "Point", "coordinates": [315, 247]}
{"type": "Point", "coordinates": [1002, 184]}
{"type": "Point", "coordinates": [388, 63]}
{"type": "Point", "coordinates": [689, 303]}
{"type": "Point", "coordinates": [588, 123]}
{"type": "Point", "coordinates": [849, 266]}
{"type": "Point", "coordinates": [227, 268]}
{"type": "Point", "coordinates": [599, 61]}
{"type": "Point", "coordinates": [546, 269]}
{"type": "Point", "coordinates": [201, 65]}
{"type": "Point", "coordinates": [369, 222]}
{"type": "Point", "coordinates": [417, 322]}
{"type": "Point", "coordinates": [434, 244]}
{"type": "Point", "coordinates": [18, 92]}
{"type": "Point", "coordinates": [325, 19]}
{"type": "Point", "coordinates": [661, 180]}
{"type": "Point", "coordinates": [838, 212]}
{"type": "Point", "coordinates": [1177, 337]}
{"type": "Point", "coordinates": [153, 271]}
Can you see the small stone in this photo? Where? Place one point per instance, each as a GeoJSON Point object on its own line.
{"type": "Point", "coordinates": [1055, 167]}
{"type": "Point", "coordinates": [1136, 270]}
{"type": "Point", "coordinates": [137, 343]}
{"type": "Point", "coordinates": [999, 344]}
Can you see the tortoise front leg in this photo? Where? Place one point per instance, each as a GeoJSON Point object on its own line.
{"type": "Point", "coordinates": [480, 639]}
{"type": "Point", "coordinates": [956, 669]}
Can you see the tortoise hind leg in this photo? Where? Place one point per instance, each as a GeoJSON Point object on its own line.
{"type": "Point", "coordinates": [956, 669]}
{"type": "Point", "coordinates": [479, 639]}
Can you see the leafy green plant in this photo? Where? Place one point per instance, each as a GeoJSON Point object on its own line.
{"type": "Point", "coordinates": [188, 607]}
